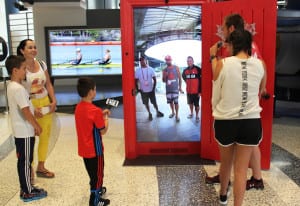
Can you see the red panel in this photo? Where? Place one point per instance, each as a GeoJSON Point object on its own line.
{"type": "Point", "coordinates": [132, 148]}
{"type": "Point", "coordinates": [168, 148]}
{"type": "Point", "coordinates": [128, 79]}
{"type": "Point", "coordinates": [268, 53]}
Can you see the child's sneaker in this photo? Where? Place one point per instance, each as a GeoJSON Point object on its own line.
{"type": "Point", "coordinates": [103, 191]}
{"type": "Point", "coordinates": [102, 202]}
{"type": "Point", "coordinates": [254, 183]}
{"type": "Point", "coordinates": [35, 194]}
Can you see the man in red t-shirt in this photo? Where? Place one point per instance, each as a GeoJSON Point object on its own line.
{"type": "Point", "coordinates": [192, 77]}
{"type": "Point", "coordinates": [91, 124]}
{"type": "Point", "coordinates": [232, 22]}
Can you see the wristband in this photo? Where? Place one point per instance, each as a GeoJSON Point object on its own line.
{"type": "Point", "coordinates": [212, 57]}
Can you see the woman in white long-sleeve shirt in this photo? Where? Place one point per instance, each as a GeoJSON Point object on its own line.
{"type": "Point", "coordinates": [235, 103]}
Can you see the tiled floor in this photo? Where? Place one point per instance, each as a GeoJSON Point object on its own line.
{"type": "Point", "coordinates": [166, 129]}
{"type": "Point", "coordinates": [165, 185]}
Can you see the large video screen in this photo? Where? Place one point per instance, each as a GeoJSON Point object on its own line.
{"type": "Point", "coordinates": [81, 51]}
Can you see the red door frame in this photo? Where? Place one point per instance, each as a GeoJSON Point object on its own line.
{"type": "Point", "coordinates": [212, 14]}
{"type": "Point", "coordinates": [132, 147]}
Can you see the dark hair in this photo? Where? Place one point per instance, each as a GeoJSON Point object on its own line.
{"type": "Point", "coordinates": [21, 46]}
{"type": "Point", "coordinates": [84, 85]}
{"type": "Point", "coordinates": [142, 58]}
{"type": "Point", "coordinates": [12, 62]}
{"type": "Point", "coordinates": [235, 20]}
{"type": "Point", "coordinates": [190, 57]}
{"type": "Point", "coordinates": [241, 40]}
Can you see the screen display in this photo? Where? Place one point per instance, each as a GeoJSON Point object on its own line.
{"type": "Point", "coordinates": [80, 51]}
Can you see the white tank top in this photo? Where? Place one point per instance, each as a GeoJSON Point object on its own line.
{"type": "Point", "coordinates": [235, 92]}
{"type": "Point", "coordinates": [35, 82]}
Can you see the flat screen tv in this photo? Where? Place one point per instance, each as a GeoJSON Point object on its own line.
{"type": "Point", "coordinates": [83, 51]}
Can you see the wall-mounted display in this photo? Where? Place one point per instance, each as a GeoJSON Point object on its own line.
{"type": "Point", "coordinates": [83, 51]}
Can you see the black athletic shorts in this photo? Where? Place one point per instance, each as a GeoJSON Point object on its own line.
{"type": "Point", "coordinates": [148, 95]}
{"type": "Point", "coordinates": [193, 99]}
{"type": "Point", "coordinates": [239, 131]}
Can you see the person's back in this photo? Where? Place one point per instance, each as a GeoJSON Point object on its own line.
{"type": "Point", "coordinates": [238, 102]}
{"type": "Point", "coordinates": [88, 121]}
{"type": "Point", "coordinates": [91, 123]}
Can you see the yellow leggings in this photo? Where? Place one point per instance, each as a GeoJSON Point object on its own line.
{"type": "Point", "coordinates": [46, 123]}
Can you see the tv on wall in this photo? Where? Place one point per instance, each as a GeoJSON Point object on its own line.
{"type": "Point", "coordinates": [83, 51]}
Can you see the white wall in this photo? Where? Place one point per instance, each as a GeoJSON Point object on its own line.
{"type": "Point", "coordinates": [55, 14]}
{"type": "Point", "coordinates": [3, 22]}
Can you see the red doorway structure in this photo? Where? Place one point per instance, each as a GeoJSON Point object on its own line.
{"type": "Point", "coordinates": [261, 13]}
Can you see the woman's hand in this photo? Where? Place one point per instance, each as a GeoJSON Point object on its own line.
{"type": "Point", "coordinates": [52, 107]}
{"type": "Point", "coordinates": [214, 49]}
{"type": "Point", "coordinates": [38, 112]}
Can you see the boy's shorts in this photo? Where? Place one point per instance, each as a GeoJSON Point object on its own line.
{"type": "Point", "coordinates": [193, 99]}
{"type": "Point", "coordinates": [240, 131]}
{"type": "Point", "coordinates": [172, 97]}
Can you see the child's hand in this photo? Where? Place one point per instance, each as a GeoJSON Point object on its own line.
{"type": "Point", "coordinates": [106, 112]}
{"type": "Point", "coordinates": [37, 130]}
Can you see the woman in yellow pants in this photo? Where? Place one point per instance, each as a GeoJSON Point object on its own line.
{"type": "Point", "coordinates": [43, 99]}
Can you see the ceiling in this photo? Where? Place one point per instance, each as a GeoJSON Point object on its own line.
{"type": "Point", "coordinates": [166, 18]}
{"type": "Point", "coordinates": [158, 24]}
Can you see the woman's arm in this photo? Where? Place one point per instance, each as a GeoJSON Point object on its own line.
{"type": "Point", "coordinates": [50, 90]}
{"type": "Point", "coordinates": [218, 67]}
{"type": "Point", "coordinates": [216, 64]}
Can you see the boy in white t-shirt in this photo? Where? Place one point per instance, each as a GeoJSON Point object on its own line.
{"type": "Point", "coordinates": [24, 126]}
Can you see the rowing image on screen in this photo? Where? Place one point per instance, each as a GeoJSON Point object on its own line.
{"type": "Point", "coordinates": [80, 51]}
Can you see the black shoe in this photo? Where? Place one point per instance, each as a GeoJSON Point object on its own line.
{"type": "Point", "coordinates": [159, 114]}
{"type": "Point", "coordinates": [254, 183]}
{"type": "Point", "coordinates": [150, 117]}
{"type": "Point", "coordinates": [103, 202]}
{"type": "Point", "coordinates": [223, 198]}
{"type": "Point", "coordinates": [212, 180]}
{"type": "Point", "coordinates": [35, 194]}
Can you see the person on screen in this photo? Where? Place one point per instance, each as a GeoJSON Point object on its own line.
{"type": "Point", "coordinates": [192, 77]}
{"type": "Point", "coordinates": [145, 76]}
{"type": "Point", "coordinates": [172, 79]}
{"type": "Point", "coordinates": [78, 57]}
{"type": "Point", "coordinates": [106, 59]}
